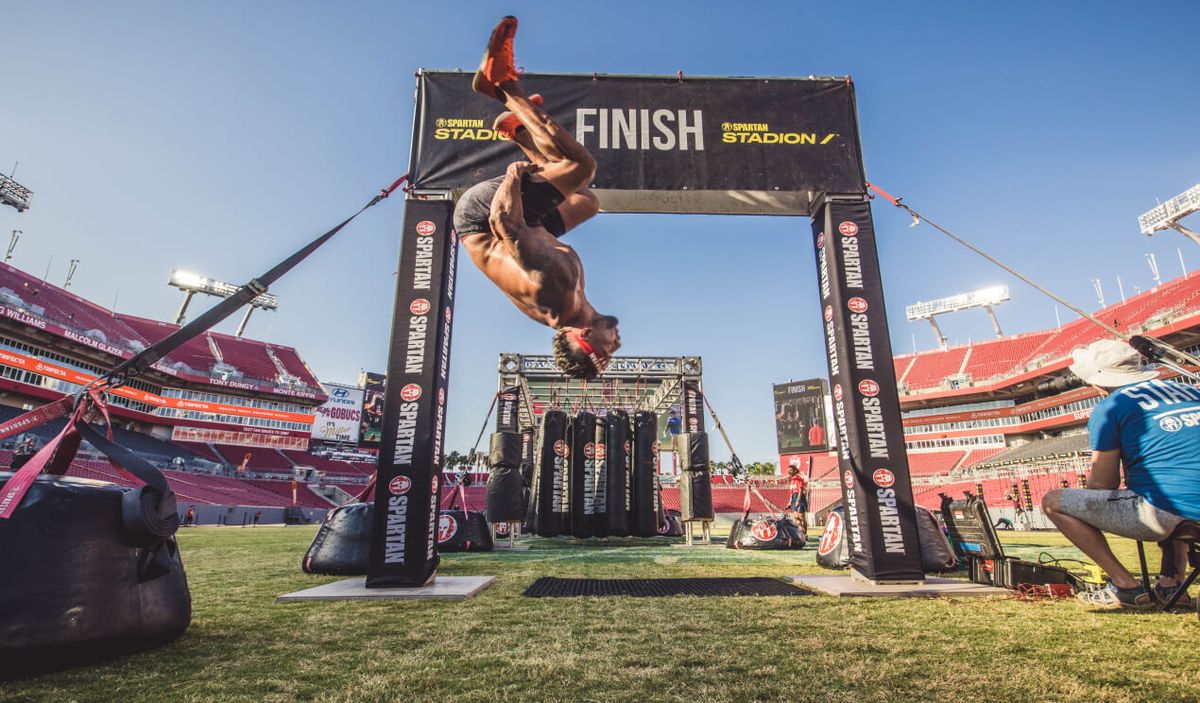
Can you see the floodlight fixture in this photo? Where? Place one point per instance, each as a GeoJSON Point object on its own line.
{"type": "Point", "coordinates": [14, 194]}
{"type": "Point", "coordinates": [193, 283]}
{"type": "Point", "coordinates": [1167, 215]}
{"type": "Point", "coordinates": [984, 298]}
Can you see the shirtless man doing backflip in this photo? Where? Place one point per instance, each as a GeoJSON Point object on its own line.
{"type": "Point", "coordinates": [511, 225]}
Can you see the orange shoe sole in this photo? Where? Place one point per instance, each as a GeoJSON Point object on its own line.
{"type": "Point", "coordinates": [507, 123]}
{"type": "Point", "coordinates": [497, 65]}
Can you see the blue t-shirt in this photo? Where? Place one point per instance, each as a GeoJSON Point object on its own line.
{"type": "Point", "coordinates": [674, 424]}
{"type": "Point", "coordinates": [1156, 425]}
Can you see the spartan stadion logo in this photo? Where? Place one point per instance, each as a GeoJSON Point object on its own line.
{"type": "Point", "coordinates": [589, 450]}
{"type": "Point", "coordinates": [821, 240]}
{"type": "Point", "coordinates": [868, 388]}
{"type": "Point", "coordinates": [848, 479]}
{"type": "Point", "coordinates": [410, 392]}
{"type": "Point", "coordinates": [832, 534]}
{"type": "Point", "coordinates": [857, 305]}
{"type": "Point", "coordinates": [420, 306]}
{"type": "Point", "coordinates": [837, 391]}
{"type": "Point", "coordinates": [828, 313]}
{"type": "Point", "coordinates": [1171, 424]}
{"type": "Point", "coordinates": [399, 485]}
{"type": "Point", "coordinates": [764, 530]}
{"type": "Point", "coordinates": [600, 451]}
{"type": "Point", "coordinates": [447, 527]}
{"type": "Point", "coordinates": [883, 478]}
{"type": "Point", "coordinates": [459, 129]}
{"type": "Point", "coordinates": [761, 133]}
{"type": "Point", "coordinates": [848, 228]}
{"type": "Point", "coordinates": [502, 529]}
{"type": "Point", "coordinates": [560, 448]}
{"type": "Point", "coordinates": [425, 228]}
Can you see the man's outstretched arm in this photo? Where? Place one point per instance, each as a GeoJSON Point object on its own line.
{"type": "Point", "coordinates": [507, 219]}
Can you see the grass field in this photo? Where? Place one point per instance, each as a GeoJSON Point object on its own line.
{"type": "Point", "coordinates": [501, 646]}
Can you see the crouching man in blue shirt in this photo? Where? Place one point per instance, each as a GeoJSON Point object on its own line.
{"type": "Point", "coordinates": [1152, 428]}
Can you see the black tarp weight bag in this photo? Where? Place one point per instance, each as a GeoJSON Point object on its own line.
{"type": "Point", "coordinates": [463, 530]}
{"type": "Point", "coordinates": [773, 531]}
{"type": "Point", "coordinates": [88, 569]}
{"type": "Point", "coordinates": [342, 545]}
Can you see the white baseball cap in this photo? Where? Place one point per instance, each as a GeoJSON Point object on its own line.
{"type": "Point", "coordinates": [1110, 363]}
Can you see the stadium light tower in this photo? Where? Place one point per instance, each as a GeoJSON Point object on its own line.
{"type": "Point", "coordinates": [1168, 214]}
{"type": "Point", "coordinates": [193, 283]}
{"type": "Point", "coordinates": [14, 194]}
{"type": "Point", "coordinates": [16, 236]}
{"type": "Point", "coordinates": [983, 298]}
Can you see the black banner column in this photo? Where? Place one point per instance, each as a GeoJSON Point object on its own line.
{"type": "Point", "coordinates": [403, 537]}
{"type": "Point", "coordinates": [866, 405]}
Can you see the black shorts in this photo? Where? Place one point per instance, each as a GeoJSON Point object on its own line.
{"type": "Point", "coordinates": [539, 201]}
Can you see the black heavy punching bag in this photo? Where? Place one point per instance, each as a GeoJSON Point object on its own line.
{"type": "Point", "coordinates": [598, 483]}
{"type": "Point", "coordinates": [550, 461]}
{"type": "Point", "coordinates": [342, 545]}
{"type": "Point", "coordinates": [505, 500]}
{"type": "Point", "coordinates": [583, 466]}
{"type": "Point", "coordinates": [645, 517]}
{"type": "Point", "coordinates": [619, 458]}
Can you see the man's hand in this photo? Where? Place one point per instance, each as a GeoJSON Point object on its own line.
{"type": "Point", "coordinates": [519, 168]}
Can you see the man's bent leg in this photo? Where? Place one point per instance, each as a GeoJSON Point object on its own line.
{"type": "Point", "coordinates": [569, 166]}
{"type": "Point", "coordinates": [1088, 539]}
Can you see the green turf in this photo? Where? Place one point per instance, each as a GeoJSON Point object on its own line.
{"type": "Point", "coordinates": [501, 646]}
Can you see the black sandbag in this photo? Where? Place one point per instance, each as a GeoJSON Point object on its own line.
{"type": "Point", "coordinates": [597, 485]}
{"type": "Point", "coordinates": [767, 532]}
{"type": "Point", "coordinates": [693, 450]}
{"type": "Point", "coordinates": [504, 449]}
{"type": "Point", "coordinates": [672, 524]}
{"type": "Point", "coordinates": [73, 588]}
{"type": "Point", "coordinates": [463, 531]}
{"type": "Point", "coordinates": [505, 495]}
{"type": "Point", "coordinates": [645, 516]}
{"type": "Point", "coordinates": [583, 443]}
{"type": "Point", "coordinates": [549, 496]}
{"type": "Point", "coordinates": [936, 552]}
{"type": "Point", "coordinates": [527, 477]}
{"type": "Point", "coordinates": [833, 551]}
{"type": "Point", "coordinates": [695, 495]}
{"type": "Point", "coordinates": [342, 544]}
{"type": "Point", "coordinates": [617, 445]}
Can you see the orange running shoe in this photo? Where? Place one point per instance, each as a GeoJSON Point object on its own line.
{"type": "Point", "coordinates": [507, 123]}
{"type": "Point", "coordinates": [497, 65]}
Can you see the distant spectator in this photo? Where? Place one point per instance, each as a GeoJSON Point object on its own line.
{"type": "Point", "coordinates": [816, 435]}
{"type": "Point", "coordinates": [189, 517]}
{"type": "Point", "coordinates": [674, 422]}
{"type": "Point", "coordinates": [1142, 425]}
{"type": "Point", "coordinates": [257, 516]}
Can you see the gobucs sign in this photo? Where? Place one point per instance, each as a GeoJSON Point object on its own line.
{"type": "Point", "coordinates": [406, 527]}
{"type": "Point", "coordinates": [880, 518]}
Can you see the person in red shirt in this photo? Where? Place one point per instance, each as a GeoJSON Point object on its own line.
{"type": "Point", "coordinates": [816, 435]}
{"type": "Point", "coordinates": [798, 501]}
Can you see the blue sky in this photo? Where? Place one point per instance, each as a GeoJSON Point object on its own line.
{"type": "Point", "coordinates": [219, 136]}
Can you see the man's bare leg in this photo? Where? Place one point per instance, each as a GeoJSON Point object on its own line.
{"type": "Point", "coordinates": [569, 166]}
{"type": "Point", "coordinates": [576, 208]}
{"type": "Point", "coordinates": [1089, 540]}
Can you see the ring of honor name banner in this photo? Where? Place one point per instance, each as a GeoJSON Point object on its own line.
{"type": "Point", "coordinates": [404, 545]}
{"type": "Point", "coordinates": [866, 405]}
{"type": "Point", "coordinates": [699, 145]}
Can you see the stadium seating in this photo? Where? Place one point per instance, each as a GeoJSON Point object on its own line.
{"type": "Point", "coordinates": [992, 359]}
{"type": "Point", "coordinates": [329, 466]}
{"type": "Point", "coordinates": [932, 463]}
{"type": "Point", "coordinates": [261, 459]}
{"type": "Point", "coordinates": [931, 368]}
{"type": "Point", "coordinates": [283, 490]}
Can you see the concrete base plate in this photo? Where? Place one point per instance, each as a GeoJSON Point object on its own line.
{"type": "Point", "coordinates": [514, 548]}
{"type": "Point", "coordinates": [697, 545]}
{"type": "Point", "coordinates": [842, 585]}
{"type": "Point", "coordinates": [442, 588]}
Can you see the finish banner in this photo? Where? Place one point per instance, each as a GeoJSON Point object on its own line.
{"type": "Point", "coordinates": [866, 406]}
{"type": "Point", "coordinates": [661, 143]}
{"type": "Point", "coordinates": [339, 419]}
{"type": "Point", "coordinates": [800, 423]}
{"type": "Point", "coordinates": [404, 529]}
{"type": "Point", "coordinates": [507, 406]}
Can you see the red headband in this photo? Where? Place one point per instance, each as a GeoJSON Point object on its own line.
{"type": "Point", "coordinates": [589, 350]}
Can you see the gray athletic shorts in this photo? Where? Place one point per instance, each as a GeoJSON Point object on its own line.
{"type": "Point", "coordinates": [539, 202]}
{"type": "Point", "coordinates": [1119, 512]}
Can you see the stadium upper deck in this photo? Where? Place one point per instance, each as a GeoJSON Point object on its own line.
{"type": "Point", "coordinates": [37, 311]}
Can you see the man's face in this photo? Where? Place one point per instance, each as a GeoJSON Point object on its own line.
{"type": "Point", "coordinates": [605, 337]}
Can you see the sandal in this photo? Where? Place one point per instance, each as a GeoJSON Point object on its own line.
{"type": "Point", "coordinates": [1113, 597]}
